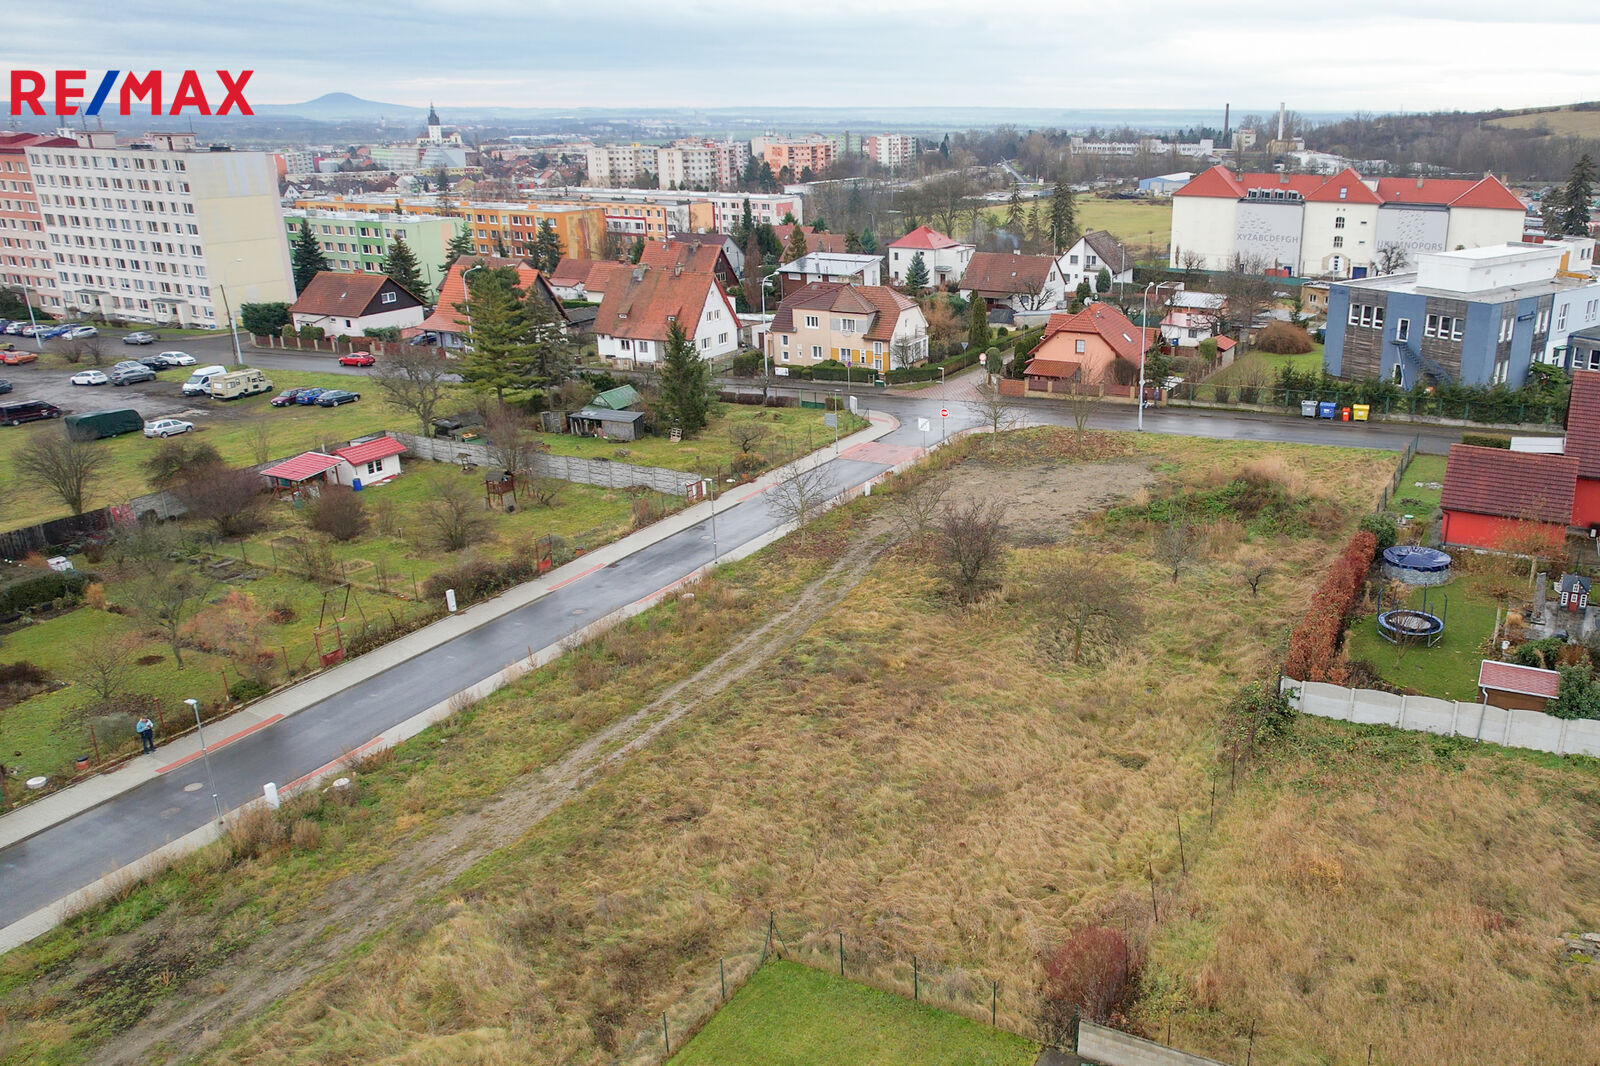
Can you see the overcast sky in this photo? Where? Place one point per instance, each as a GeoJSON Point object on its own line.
{"type": "Point", "coordinates": [1416, 55]}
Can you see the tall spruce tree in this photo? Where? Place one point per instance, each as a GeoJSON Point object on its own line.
{"type": "Point", "coordinates": [636, 252]}
{"type": "Point", "coordinates": [747, 221]}
{"type": "Point", "coordinates": [1035, 236]}
{"type": "Point", "coordinates": [796, 248]}
{"type": "Point", "coordinates": [1578, 197]}
{"type": "Point", "coordinates": [916, 275]}
{"type": "Point", "coordinates": [401, 266]}
{"type": "Point", "coordinates": [752, 272]}
{"type": "Point", "coordinates": [496, 337]}
{"type": "Point", "coordinates": [685, 383]}
{"type": "Point", "coordinates": [460, 245]}
{"type": "Point", "coordinates": [869, 242]}
{"type": "Point", "coordinates": [547, 249]}
{"type": "Point", "coordinates": [1063, 218]}
{"type": "Point", "coordinates": [852, 243]}
{"type": "Point", "coordinates": [308, 259]}
{"type": "Point", "coordinates": [1014, 219]}
{"type": "Point", "coordinates": [978, 324]}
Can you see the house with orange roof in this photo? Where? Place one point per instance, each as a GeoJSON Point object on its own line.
{"type": "Point", "coordinates": [704, 257]}
{"type": "Point", "coordinates": [815, 242]}
{"type": "Point", "coordinates": [945, 258]}
{"type": "Point", "coordinates": [1097, 348]}
{"type": "Point", "coordinates": [349, 304]}
{"type": "Point", "coordinates": [585, 279]}
{"type": "Point", "coordinates": [1337, 225]}
{"type": "Point", "coordinates": [642, 305]}
{"type": "Point", "coordinates": [450, 323]}
{"type": "Point", "coordinates": [858, 325]}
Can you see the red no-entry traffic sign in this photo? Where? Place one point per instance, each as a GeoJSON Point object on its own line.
{"type": "Point", "coordinates": [944, 412]}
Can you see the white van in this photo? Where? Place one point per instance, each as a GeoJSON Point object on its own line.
{"type": "Point", "coordinates": [199, 383]}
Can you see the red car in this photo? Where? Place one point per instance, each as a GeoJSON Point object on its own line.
{"type": "Point", "coordinates": [357, 359]}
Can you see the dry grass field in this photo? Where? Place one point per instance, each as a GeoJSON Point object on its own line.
{"type": "Point", "coordinates": [821, 733]}
{"type": "Point", "coordinates": [1561, 121]}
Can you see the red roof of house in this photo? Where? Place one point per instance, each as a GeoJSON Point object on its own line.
{"type": "Point", "coordinates": [301, 467]}
{"type": "Point", "coordinates": [1524, 485]}
{"type": "Point", "coordinates": [368, 450]}
{"type": "Point", "coordinates": [701, 258]}
{"type": "Point", "coordinates": [1004, 274]}
{"type": "Point", "coordinates": [1510, 677]}
{"type": "Point", "coordinates": [644, 303]}
{"type": "Point", "coordinates": [1052, 368]}
{"type": "Point", "coordinates": [925, 238]}
{"type": "Point", "coordinates": [1224, 344]}
{"type": "Point", "coordinates": [1583, 422]}
{"type": "Point", "coordinates": [453, 291]}
{"type": "Point", "coordinates": [815, 242]}
{"type": "Point", "coordinates": [350, 295]}
{"type": "Point", "coordinates": [1126, 339]}
{"type": "Point", "coordinates": [882, 302]}
{"type": "Point", "coordinates": [1488, 192]}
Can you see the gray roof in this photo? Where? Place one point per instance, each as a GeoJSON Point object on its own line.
{"type": "Point", "coordinates": [1407, 283]}
{"type": "Point", "coordinates": [600, 414]}
{"type": "Point", "coordinates": [1110, 250]}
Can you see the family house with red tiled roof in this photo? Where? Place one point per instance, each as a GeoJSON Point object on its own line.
{"type": "Point", "coordinates": [945, 258]}
{"type": "Point", "coordinates": [815, 242]}
{"type": "Point", "coordinates": [450, 322]}
{"type": "Point", "coordinates": [1094, 252]}
{"type": "Point", "coordinates": [346, 305]}
{"type": "Point", "coordinates": [641, 307]}
{"type": "Point", "coordinates": [1020, 282]}
{"type": "Point", "coordinates": [1096, 347]}
{"type": "Point", "coordinates": [585, 279]}
{"type": "Point", "coordinates": [702, 258]}
{"type": "Point", "coordinates": [1318, 225]}
{"type": "Point", "coordinates": [858, 325]}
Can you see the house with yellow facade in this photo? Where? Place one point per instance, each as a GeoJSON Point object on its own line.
{"type": "Point", "coordinates": [858, 325]}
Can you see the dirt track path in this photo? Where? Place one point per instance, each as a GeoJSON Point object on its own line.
{"type": "Point", "coordinates": [189, 1024]}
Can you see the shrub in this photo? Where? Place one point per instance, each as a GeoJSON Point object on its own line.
{"type": "Point", "coordinates": [1094, 972]}
{"type": "Point", "coordinates": [1282, 338]}
{"type": "Point", "coordinates": [1486, 440]}
{"type": "Point", "coordinates": [1382, 528]}
{"type": "Point", "coordinates": [475, 579]}
{"type": "Point", "coordinates": [1249, 394]}
{"type": "Point", "coordinates": [382, 333]}
{"type": "Point", "coordinates": [263, 320]}
{"type": "Point", "coordinates": [748, 364]}
{"type": "Point", "coordinates": [173, 459]}
{"type": "Point", "coordinates": [338, 512]}
{"type": "Point", "coordinates": [1221, 394]}
{"type": "Point", "coordinates": [247, 689]}
{"type": "Point", "coordinates": [1540, 653]}
{"type": "Point", "coordinates": [1314, 643]}
{"type": "Point", "coordinates": [42, 589]}
{"type": "Point", "coordinates": [1577, 696]}
{"type": "Point", "coordinates": [1208, 349]}
{"type": "Point", "coordinates": [311, 333]}
{"type": "Point", "coordinates": [22, 673]}
{"type": "Point", "coordinates": [254, 832]}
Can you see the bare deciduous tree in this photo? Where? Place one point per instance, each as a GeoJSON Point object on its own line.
{"type": "Point", "coordinates": [453, 514]}
{"type": "Point", "coordinates": [82, 348]}
{"type": "Point", "coordinates": [1254, 569]}
{"type": "Point", "coordinates": [105, 667]}
{"type": "Point", "coordinates": [916, 508]}
{"type": "Point", "coordinates": [231, 499]}
{"type": "Point", "coordinates": [1392, 258]}
{"type": "Point", "coordinates": [1087, 607]}
{"type": "Point", "coordinates": [903, 352]}
{"type": "Point", "coordinates": [261, 441]}
{"type": "Point", "coordinates": [747, 433]}
{"type": "Point", "coordinates": [62, 465]}
{"type": "Point", "coordinates": [513, 442]}
{"type": "Point", "coordinates": [799, 498]}
{"type": "Point", "coordinates": [997, 411]}
{"type": "Point", "coordinates": [545, 491]}
{"type": "Point", "coordinates": [338, 512]}
{"type": "Point", "coordinates": [413, 380]}
{"type": "Point", "coordinates": [970, 547]}
{"type": "Point", "coordinates": [1083, 403]}
{"type": "Point", "coordinates": [1179, 542]}
{"type": "Point", "coordinates": [167, 598]}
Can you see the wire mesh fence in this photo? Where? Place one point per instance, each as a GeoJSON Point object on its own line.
{"type": "Point", "coordinates": [1338, 403]}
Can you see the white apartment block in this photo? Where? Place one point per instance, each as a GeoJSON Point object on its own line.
{"type": "Point", "coordinates": [612, 164]}
{"type": "Point", "coordinates": [701, 164]}
{"type": "Point", "coordinates": [1150, 145]}
{"type": "Point", "coordinates": [890, 150]}
{"type": "Point", "coordinates": [162, 232]}
{"type": "Point", "coordinates": [727, 209]}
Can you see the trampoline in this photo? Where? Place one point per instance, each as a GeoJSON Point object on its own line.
{"type": "Point", "coordinates": [1410, 625]}
{"type": "Point", "coordinates": [1416, 565]}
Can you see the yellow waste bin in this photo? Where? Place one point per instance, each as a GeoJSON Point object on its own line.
{"type": "Point", "coordinates": [1360, 411]}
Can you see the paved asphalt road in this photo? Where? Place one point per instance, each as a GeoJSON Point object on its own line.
{"type": "Point", "coordinates": [42, 869]}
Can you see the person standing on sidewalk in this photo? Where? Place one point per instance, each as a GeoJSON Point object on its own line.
{"type": "Point", "coordinates": [147, 735]}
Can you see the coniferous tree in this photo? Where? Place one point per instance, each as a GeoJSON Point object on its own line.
{"type": "Point", "coordinates": [1578, 196]}
{"type": "Point", "coordinates": [752, 272]}
{"type": "Point", "coordinates": [500, 249]}
{"type": "Point", "coordinates": [685, 383]}
{"type": "Point", "coordinates": [1063, 218]}
{"type": "Point", "coordinates": [547, 249]}
{"type": "Point", "coordinates": [400, 265]}
{"type": "Point", "coordinates": [1102, 280]}
{"type": "Point", "coordinates": [495, 336]}
{"type": "Point", "coordinates": [460, 245]}
{"type": "Point", "coordinates": [819, 226]}
{"type": "Point", "coordinates": [1035, 237]}
{"type": "Point", "coordinates": [747, 221]}
{"type": "Point", "coordinates": [916, 275]}
{"type": "Point", "coordinates": [796, 248]}
{"type": "Point", "coordinates": [308, 259]}
{"type": "Point", "coordinates": [852, 243]}
{"type": "Point", "coordinates": [978, 324]}
{"type": "Point", "coordinates": [1014, 219]}
{"type": "Point", "coordinates": [637, 251]}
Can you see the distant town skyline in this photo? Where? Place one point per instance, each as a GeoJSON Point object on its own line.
{"type": "Point", "coordinates": [1432, 55]}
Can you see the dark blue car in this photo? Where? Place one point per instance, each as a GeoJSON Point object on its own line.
{"type": "Point", "coordinates": [309, 396]}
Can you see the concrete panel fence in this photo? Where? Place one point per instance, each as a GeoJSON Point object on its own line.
{"type": "Point", "coordinates": [1480, 721]}
{"type": "Point", "coordinates": [1108, 1047]}
{"type": "Point", "coordinates": [601, 472]}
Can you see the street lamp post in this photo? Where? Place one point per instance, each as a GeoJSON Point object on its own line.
{"type": "Point", "coordinates": [32, 322]}
{"type": "Point", "coordinates": [711, 494]}
{"type": "Point", "coordinates": [1144, 347]}
{"type": "Point", "coordinates": [194, 705]}
{"type": "Point", "coordinates": [466, 293]}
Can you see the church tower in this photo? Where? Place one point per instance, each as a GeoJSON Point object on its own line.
{"type": "Point", "coordinates": [435, 127]}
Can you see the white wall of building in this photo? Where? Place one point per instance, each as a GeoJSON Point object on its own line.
{"type": "Point", "coordinates": [1475, 227]}
{"type": "Point", "coordinates": [339, 326]}
{"type": "Point", "coordinates": [945, 265]}
{"type": "Point", "coordinates": [1203, 224]}
{"type": "Point", "coordinates": [1322, 237]}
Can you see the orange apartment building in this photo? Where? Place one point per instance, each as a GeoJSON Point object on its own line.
{"type": "Point", "coordinates": [24, 249]}
{"type": "Point", "coordinates": [580, 227]}
{"type": "Point", "coordinates": [816, 153]}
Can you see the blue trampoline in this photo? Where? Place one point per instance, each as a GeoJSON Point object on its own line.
{"type": "Point", "coordinates": [1416, 565]}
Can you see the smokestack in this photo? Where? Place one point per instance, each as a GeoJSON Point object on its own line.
{"type": "Point", "coordinates": [1280, 121]}
{"type": "Point", "coordinates": [1226, 108]}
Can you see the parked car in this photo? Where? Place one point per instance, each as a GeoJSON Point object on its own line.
{"type": "Point", "coordinates": [199, 383]}
{"type": "Point", "coordinates": [132, 375]}
{"type": "Point", "coordinates": [79, 332]}
{"type": "Point", "coordinates": [5, 386]}
{"type": "Point", "coordinates": [52, 332]}
{"type": "Point", "coordinates": [156, 361]}
{"type": "Point", "coordinates": [167, 427]}
{"type": "Point", "coordinates": [357, 359]}
{"type": "Point", "coordinates": [128, 364]}
{"type": "Point", "coordinates": [178, 358]}
{"type": "Point", "coordinates": [335, 397]}
{"type": "Point", "coordinates": [14, 414]}
{"type": "Point", "coordinates": [16, 358]}
{"type": "Point", "coordinates": [308, 396]}
{"type": "Point", "coordinates": [32, 330]}
{"type": "Point", "coordinates": [89, 377]}
{"type": "Point", "coordinates": [287, 397]}
{"type": "Point", "coordinates": [7, 346]}
{"type": "Point", "coordinates": [15, 329]}
{"type": "Point", "coordinates": [139, 337]}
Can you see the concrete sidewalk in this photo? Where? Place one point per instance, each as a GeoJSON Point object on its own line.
{"type": "Point", "coordinates": [280, 707]}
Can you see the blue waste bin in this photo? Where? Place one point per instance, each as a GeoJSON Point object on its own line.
{"type": "Point", "coordinates": [1327, 409]}
{"type": "Point", "coordinates": [355, 484]}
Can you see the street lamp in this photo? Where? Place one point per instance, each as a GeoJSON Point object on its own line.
{"type": "Point", "coordinates": [233, 324]}
{"type": "Point", "coordinates": [711, 494]}
{"type": "Point", "coordinates": [466, 293]}
{"type": "Point", "coordinates": [1144, 347]}
{"type": "Point", "coordinates": [194, 705]}
{"type": "Point", "coordinates": [32, 323]}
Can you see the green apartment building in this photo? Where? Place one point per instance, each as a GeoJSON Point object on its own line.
{"type": "Point", "coordinates": [355, 240]}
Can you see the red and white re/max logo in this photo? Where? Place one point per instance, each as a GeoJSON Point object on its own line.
{"type": "Point", "coordinates": [187, 88]}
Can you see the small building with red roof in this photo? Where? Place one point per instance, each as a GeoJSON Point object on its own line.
{"type": "Point", "coordinates": [368, 462]}
{"type": "Point", "coordinates": [1514, 687]}
{"type": "Point", "coordinates": [292, 477]}
{"type": "Point", "coordinates": [1506, 500]}
{"type": "Point", "coordinates": [944, 257]}
{"type": "Point", "coordinates": [1335, 225]}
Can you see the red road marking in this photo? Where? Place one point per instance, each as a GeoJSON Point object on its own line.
{"type": "Point", "coordinates": [319, 771]}
{"type": "Point", "coordinates": [577, 577]}
{"type": "Point", "coordinates": [224, 741]}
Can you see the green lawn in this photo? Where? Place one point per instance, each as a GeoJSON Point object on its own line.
{"type": "Point", "coordinates": [1450, 669]}
{"type": "Point", "coordinates": [791, 1015]}
{"type": "Point", "coordinates": [1419, 500]}
{"type": "Point", "coordinates": [1261, 369]}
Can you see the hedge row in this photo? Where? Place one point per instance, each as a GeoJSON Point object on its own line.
{"type": "Point", "coordinates": [1314, 644]}
{"type": "Point", "coordinates": [37, 591]}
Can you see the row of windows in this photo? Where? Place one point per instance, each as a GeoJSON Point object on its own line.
{"type": "Point", "coordinates": [1369, 316]}
{"type": "Point", "coordinates": [66, 181]}
{"type": "Point", "coordinates": [106, 162]}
